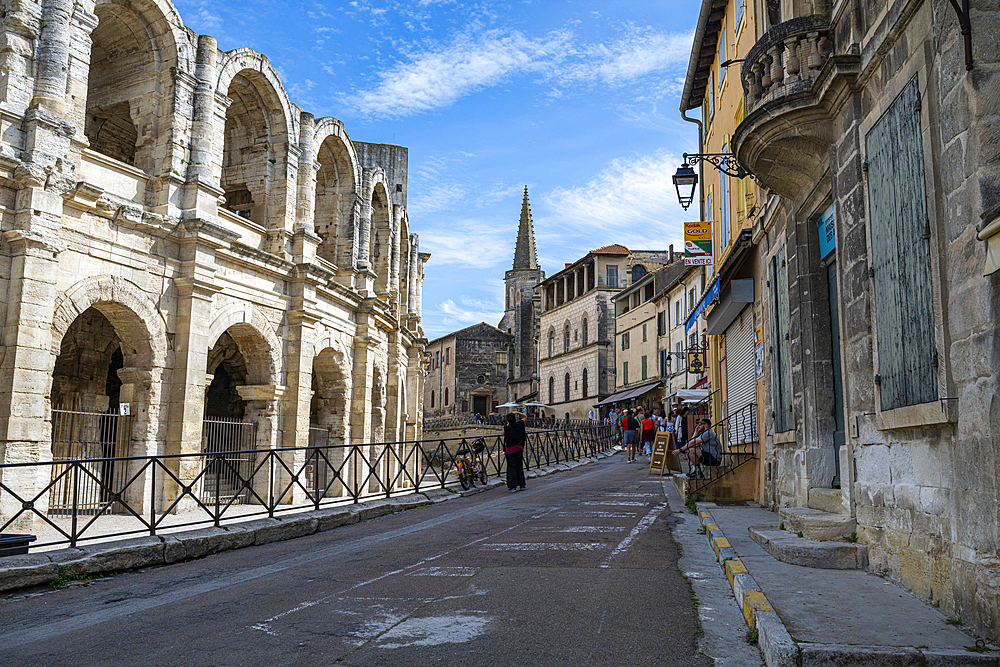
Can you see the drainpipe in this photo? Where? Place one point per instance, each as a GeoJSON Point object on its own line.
{"type": "Point", "coordinates": [701, 164]}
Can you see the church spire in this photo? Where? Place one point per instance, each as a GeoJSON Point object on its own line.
{"type": "Point", "coordinates": [524, 251]}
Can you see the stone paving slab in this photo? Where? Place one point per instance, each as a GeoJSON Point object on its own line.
{"type": "Point", "coordinates": [809, 617]}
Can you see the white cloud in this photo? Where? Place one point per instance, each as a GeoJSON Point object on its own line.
{"type": "Point", "coordinates": [469, 244]}
{"type": "Point", "coordinates": [438, 78]}
{"type": "Point", "coordinates": [471, 311]}
{"type": "Point", "coordinates": [632, 201]}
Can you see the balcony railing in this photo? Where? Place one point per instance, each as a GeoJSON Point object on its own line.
{"type": "Point", "coordinates": [162, 494]}
{"type": "Point", "coordinates": [787, 59]}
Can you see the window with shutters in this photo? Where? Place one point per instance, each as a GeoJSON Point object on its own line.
{"type": "Point", "coordinates": [567, 386]}
{"type": "Point", "coordinates": [552, 390]}
{"type": "Point", "coordinates": [644, 367]}
{"type": "Point", "coordinates": [643, 332]}
{"type": "Point", "coordinates": [901, 259]}
{"type": "Point", "coordinates": [625, 372]}
{"type": "Point", "coordinates": [781, 365]}
{"type": "Point", "coordinates": [584, 383]}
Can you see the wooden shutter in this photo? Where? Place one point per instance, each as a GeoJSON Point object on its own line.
{"type": "Point", "coordinates": [901, 255]}
{"type": "Point", "coordinates": [781, 364]}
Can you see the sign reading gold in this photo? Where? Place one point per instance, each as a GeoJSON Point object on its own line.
{"type": "Point", "coordinates": [698, 243]}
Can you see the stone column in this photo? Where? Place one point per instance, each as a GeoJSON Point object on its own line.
{"type": "Point", "coordinates": [198, 241]}
{"type": "Point", "coordinates": [26, 364]}
{"type": "Point", "coordinates": [424, 257]}
{"type": "Point", "coordinates": [397, 229]}
{"type": "Point", "coordinates": [20, 30]}
{"type": "Point", "coordinates": [364, 228]}
{"type": "Point", "coordinates": [306, 195]}
{"type": "Point", "coordinates": [356, 470]}
{"type": "Point", "coordinates": [52, 57]}
{"type": "Point", "coordinates": [135, 391]}
{"type": "Point", "coordinates": [411, 289]}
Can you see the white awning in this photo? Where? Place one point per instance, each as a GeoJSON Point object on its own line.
{"type": "Point", "coordinates": [692, 395]}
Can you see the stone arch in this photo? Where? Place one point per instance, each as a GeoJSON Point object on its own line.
{"type": "Point", "coordinates": [380, 250]}
{"type": "Point", "coordinates": [129, 309]}
{"type": "Point", "coordinates": [256, 339]}
{"type": "Point", "coordinates": [337, 183]}
{"type": "Point", "coordinates": [134, 42]}
{"type": "Point", "coordinates": [259, 128]}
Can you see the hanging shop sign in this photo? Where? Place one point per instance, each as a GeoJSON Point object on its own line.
{"type": "Point", "coordinates": [696, 361]}
{"type": "Point", "coordinates": [698, 243]}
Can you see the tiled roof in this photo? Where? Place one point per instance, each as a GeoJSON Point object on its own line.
{"type": "Point", "coordinates": [613, 249]}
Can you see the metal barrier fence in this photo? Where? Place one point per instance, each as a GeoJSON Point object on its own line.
{"type": "Point", "coordinates": [227, 484]}
{"type": "Point", "coordinates": [432, 423]}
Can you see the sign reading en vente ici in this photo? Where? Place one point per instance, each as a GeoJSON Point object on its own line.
{"type": "Point", "coordinates": [698, 243]}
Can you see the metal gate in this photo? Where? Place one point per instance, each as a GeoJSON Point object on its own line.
{"type": "Point", "coordinates": [228, 472]}
{"type": "Point", "coordinates": [79, 435]}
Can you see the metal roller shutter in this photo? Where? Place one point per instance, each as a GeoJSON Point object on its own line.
{"type": "Point", "coordinates": [741, 377]}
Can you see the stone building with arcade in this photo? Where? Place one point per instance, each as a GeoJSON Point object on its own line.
{"type": "Point", "coordinates": [186, 247]}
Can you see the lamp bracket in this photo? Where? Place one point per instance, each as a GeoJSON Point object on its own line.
{"type": "Point", "coordinates": [965, 22]}
{"type": "Point", "coordinates": [723, 162]}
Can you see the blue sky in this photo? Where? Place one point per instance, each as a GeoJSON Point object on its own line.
{"type": "Point", "coordinates": [575, 99]}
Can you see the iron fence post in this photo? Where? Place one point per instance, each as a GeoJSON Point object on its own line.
{"type": "Point", "coordinates": [217, 485]}
{"type": "Point", "coordinates": [270, 484]}
{"type": "Point", "coordinates": [76, 494]}
{"type": "Point", "coordinates": [152, 496]}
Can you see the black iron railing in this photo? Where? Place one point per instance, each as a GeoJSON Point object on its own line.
{"type": "Point", "coordinates": [738, 435]}
{"type": "Point", "coordinates": [433, 423]}
{"type": "Point", "coordinates": [170, 492]}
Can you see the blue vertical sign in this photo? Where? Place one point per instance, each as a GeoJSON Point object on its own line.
{"type": "Point", "coordinates": [827, 236]}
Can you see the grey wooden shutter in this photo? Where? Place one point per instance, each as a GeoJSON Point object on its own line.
{"type": "Point", "coordinates": [901, 255]}
{"type": "Point", "coordinates": [781, 368]}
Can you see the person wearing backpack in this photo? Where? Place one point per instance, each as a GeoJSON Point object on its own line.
{"type": "Point", "coordinates": [648, 434]}
{"type": "Point", "coordinates": [630, 435]}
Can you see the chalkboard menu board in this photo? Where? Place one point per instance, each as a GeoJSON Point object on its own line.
{"type": "Point", "coordinates": [664, 457]}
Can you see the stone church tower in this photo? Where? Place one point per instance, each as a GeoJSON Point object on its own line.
{"type": "Point", "coordinates": [523, 305]}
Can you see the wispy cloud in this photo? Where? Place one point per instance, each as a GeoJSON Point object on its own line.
{"type": "Point", "coordinates": [438, 78]}
{"type": "Point", "coordinates": [468, 311]}
{"type": "Point", "coordinates": [469, 244]}
{"type": "Point", "coordinates": [475, 60]}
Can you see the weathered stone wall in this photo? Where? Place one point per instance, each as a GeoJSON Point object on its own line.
{"type": "Point", "coordinates": [134, 130]}
{"type": "Point", "coordinates": [921, 479]}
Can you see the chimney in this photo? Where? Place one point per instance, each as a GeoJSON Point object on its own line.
{"type": "Point", "coordinates": [671, 254]}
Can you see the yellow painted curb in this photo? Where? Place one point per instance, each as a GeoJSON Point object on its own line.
{"type": "Point", "coordinates": [710, 526]}
{"type": "Point", "coordinates": [754, 601]}
{"type": "Point", "coordinates": [720, 543]}
{"type": "Point", "coordinates": [705, 515]}
{"type": "Point", "coordinates": [734, 566]}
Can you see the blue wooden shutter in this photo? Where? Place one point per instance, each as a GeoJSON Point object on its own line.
{"type": "Point", "coordinates": [901, 255]}
{"type": "Point", "coordinates": [781, 364]}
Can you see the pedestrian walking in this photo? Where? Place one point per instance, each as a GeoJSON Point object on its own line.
{"type": "Point", "coordinates": [630, 435]}
{"type": "Point", "coordinates": [514, 437]}
{"type": "Point", "coordinates": [648, 434]}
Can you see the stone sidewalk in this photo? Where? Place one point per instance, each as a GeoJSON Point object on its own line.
{"type": "Point", "coordinates": [115, 554]}
{"type": "Point", "coordinates": [809, 617]}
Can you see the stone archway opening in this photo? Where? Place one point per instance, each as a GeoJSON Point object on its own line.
{"type": "Point", "coordinates": [120, 88]}
{"type": "Point", "coordinates": [334, 204]}
{"type": "Point", "coordinates": [96, 398]}
{"type": "Point", "coordinates": [328, 413]}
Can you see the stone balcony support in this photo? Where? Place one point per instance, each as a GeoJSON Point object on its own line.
{"type": "Point", "coordinates": [794, 85]}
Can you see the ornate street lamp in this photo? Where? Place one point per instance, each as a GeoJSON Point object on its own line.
{"type": "Point", "coordinates": [687, 179]}
{"type": "Point", "coordinates": [685, 176]}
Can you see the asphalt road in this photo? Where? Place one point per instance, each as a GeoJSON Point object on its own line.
{"type": "Point", "coordinates": [579, 569]}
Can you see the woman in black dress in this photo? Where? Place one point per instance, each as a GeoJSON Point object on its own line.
{"type": "Point", "coordinates": [514, 437]}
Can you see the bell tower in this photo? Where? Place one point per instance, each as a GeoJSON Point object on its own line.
{"type": "Point", "coordinates": [523, 306]}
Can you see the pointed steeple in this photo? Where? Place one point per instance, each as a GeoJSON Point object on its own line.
{"type": "Point", "coordinates": [524, 251]}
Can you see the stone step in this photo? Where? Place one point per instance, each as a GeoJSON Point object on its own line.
{"type": "Point", "coordinates": [816, 524]}
{"type": "Point", "coordinates": [826, 500]}
{"type": "Point", "coordinates": [789, 548]}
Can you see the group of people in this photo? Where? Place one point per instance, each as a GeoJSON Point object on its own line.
{"type": "Point", "coordinates": [515, 437]}
{"type": "Point", "coordinates": [638, 429]}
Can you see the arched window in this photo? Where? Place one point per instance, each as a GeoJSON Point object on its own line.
{"type": "Point", "coordinates": [638, 271]}
{"type": "Point", "coordinates": [566, 338]}
{"type": "Point", "coordinates": [552, 390]}
{"type": "Point", "coordinates": [584, 383]}
{"type": "Point", "coordinates": [446, 396]}
{"type": "Point", "coordinates": [432, 398]}
{"type": "Point", "coordinates": [584, 331]}
{"type": "Point", "coordinates": [552, 343]}
{"type": "Point", "coordinates": [567, 386]}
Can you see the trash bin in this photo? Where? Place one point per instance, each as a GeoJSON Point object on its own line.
{"type": "Point", "coordinates": [15, 545]}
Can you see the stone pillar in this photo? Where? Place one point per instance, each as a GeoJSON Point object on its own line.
{"type": "Point", "coordinates": [26, 365]}
{"type": "Point", "coordinates": [262, 410]}
{"type": "Point", "coordinates": [306, 195]}
{"type": "Point", "coordinates": [397, 229]}
{"type": "Point", "coordinates": [198, 241]}
{"type": "Point", "coordinates": [20, 28]}
{"type": "Point", "coordinates": [135, 391]}
{"type": "Point", "coordinates": [411, 290]}
{"type": "Point", "coordinates": [365, 220]}
{"type": "Point", "coordinates": [424, 256]}
{"type": "Point", "coordinates": [203, 112]}
{"type": "Point", "coordinates": [52, 57]}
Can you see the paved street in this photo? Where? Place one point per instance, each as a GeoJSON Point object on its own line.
{"type": "Point", "coordinates": [580, 569]}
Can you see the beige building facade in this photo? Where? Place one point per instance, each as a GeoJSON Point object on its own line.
{"type": "Point", "coordinates": [182, 244]}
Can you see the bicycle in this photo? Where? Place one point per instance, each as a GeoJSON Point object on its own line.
{"type": "Point", "coordinates": [470, 470]}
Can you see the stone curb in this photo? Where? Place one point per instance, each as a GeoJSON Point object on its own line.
{"type": "Point", "coordinates": [30, 570]}
{"type": "Point", "coordinates": [780, 650]}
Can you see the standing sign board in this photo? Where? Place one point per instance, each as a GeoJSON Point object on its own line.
{"type": "Point", "coordinates": [827, 233]}
{"type": "Point", "coordinates": [698, 243]}
{"type": "Point", "coordinates": [664, 454]}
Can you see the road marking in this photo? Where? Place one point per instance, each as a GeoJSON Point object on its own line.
{"type": "Point", "coordinates": [643, 524]}
{"type": "Point", "coordinates": [581, 529]}
{"type": "Point", "coordinates": [444, 572]}
{"type": "Point", "coordinates": [616, 503]}
{"type": "Point", "coordinates": [544, 546]}
{"type": "Point", "coordinates": [634, 495]}
{"type": "Point", "coordinates": [433, 630]}
{"type": "Point", "coordinates": [598, 515]}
